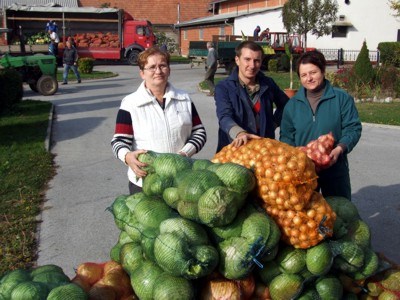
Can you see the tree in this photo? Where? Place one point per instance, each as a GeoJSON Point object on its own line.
{"type": "Point", "coordinates": [315, 16]}
{"type": "Point", "coordinates": [363, 67]}
{"type": "Point", "coordinates": [395, 5]}
{"type": "Point", "coordinates": [162, 38]}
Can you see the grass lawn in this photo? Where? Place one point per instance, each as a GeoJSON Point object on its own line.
{"type": "Point", "coordinates": [380, 113]}
{"type": "Point", "coordinates": [25, 168]}
{"type": "Point", "coordinates": [93, 75]}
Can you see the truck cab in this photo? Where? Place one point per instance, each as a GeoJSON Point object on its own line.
{"type": "Point", "coordinates": [137, 36]}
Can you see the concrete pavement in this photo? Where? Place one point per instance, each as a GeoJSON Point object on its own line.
{"type": "Point", "coordinates": [76, 226]}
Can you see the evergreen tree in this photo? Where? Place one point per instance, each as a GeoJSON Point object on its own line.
{"type": "Point", "coordinates": [363, 67]}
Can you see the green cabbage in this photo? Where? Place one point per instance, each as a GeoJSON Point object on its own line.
{"type": "Point", "coordinates": [30, 290]}
{"type": "Point", "coordinates": [67, 292]}
{"type": "Point", "coordinates": [182, 249]}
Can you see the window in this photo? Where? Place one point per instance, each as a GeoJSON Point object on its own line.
{"type": "Point", "coordinates": [201, 34]}
{"type": "Point", "coordinates": [339, 31]}
{"type": "Point", "coordinates": [140, 30]}
{"type": "Point", "coordinates": [185, 34]}
{"type": "Point", "coordinates": [222, 30]}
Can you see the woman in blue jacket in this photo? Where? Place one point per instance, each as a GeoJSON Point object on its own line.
{"type": "Point", "coordinates": [317, 109]}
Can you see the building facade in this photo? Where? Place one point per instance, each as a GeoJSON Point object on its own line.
{"type": "Point", "coordinates": [163, 14]}
{"type": "Point", "coordinates": [369, 20]}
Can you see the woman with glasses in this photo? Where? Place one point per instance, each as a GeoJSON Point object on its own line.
{"type": "Point", "coordinates": [156, 117]}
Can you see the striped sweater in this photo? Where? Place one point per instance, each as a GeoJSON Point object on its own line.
{"type": "Point", "coordinates": [143, 124]}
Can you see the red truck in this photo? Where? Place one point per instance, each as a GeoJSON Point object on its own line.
{"type": "Point", "coordinates": [99, 33]}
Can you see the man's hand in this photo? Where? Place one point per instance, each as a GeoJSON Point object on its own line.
{"type": "Point", "coordinates": [242, 138]}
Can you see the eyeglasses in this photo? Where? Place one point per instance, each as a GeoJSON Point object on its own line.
{"type": "Point", "coordinates": [153, 69]}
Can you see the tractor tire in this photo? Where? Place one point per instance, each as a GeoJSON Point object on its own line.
{"type": "Point", "coordinates": [33, 87]}
{"type": "Point", "coordinates": [133, 57]}
{"type": "Point", "coordinates": [47, 85]}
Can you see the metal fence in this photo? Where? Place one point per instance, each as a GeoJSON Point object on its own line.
{"type": "Point", "coordinates": [341, 57]}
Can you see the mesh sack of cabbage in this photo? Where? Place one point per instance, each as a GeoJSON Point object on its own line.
{"type": "Point", "coordinates": [148, 279]}
{"type": "Point", "coordinates": [199, 190]}
{"type": "Point", "coordinates": [179, 246]}
{"type": "Point", "coordinates": [285, 175]}
{"type": "Point", "coordinates": [43, 282]}
{"type": "Point", "coordinates": [251, 238]}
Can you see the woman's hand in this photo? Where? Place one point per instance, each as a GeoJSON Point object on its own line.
{"type": "Point", "coordinates": [334, 155]}
{"type": "Point", "coordinates": [242, 138]}
{"type": "Point", "coordinates": [131, 159]}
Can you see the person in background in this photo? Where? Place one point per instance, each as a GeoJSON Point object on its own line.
{"type": "Point", "coordinates": [51, 25]}
{"type": "Point", "coordinates": [256, 32]}
{"type": "Point", "coordinates": [164, 48]}
{"type": "Point", "coordinates": [211, 67]}
{"type": "Point", "coordinates": [317, 109]}
{"type": "Point", "coordinates": [70, 61]}
{"type": "Point", "coordinates": [72, 41]}
{"type": "Point", "coordinates": [245, 100]}
{"type": "Point", "coordinates": [54, 40]}
{"type": "Point", "coordinates": [265, 36]}
{"type": "Point", "coordinates": [156, 117]}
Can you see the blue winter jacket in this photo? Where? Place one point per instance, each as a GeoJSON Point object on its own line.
{"type": "Point", "coordinates": [336, 112]}
{"type": "Point", "coordinates": [234, 108]}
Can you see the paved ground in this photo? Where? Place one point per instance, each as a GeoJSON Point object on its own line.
{"type": "Point", "coordinates": [76, 225]}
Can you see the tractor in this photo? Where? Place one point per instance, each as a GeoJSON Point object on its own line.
{"type": "Point", "coordinates": [38, 71]}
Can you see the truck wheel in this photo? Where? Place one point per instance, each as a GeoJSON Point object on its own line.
{"type": "Point", "coordinates": [133, 57]}
{"type": "Point", "coordinates": [33, 87]}
{"type": "Point", "coordinates": [47, 85]}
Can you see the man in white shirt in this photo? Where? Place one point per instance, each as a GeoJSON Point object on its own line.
{"type": "Point", "coordinates": [53, 48]}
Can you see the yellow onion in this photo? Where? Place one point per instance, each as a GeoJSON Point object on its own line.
{"type": "Point", "coordinates": [217, 287]}
{"type": "Point", "coordinates": [90, 272]}
{"type": "Point", "coordinates": [82, 283]}
{"type": "Point", "coordinates": [111, 265]}
{"type": "Point", "coordinates": [102, 292]}
{"type": "Point", "coordinates": [261, 292]}
{"type": "Point", "coordinates": [119, 280]}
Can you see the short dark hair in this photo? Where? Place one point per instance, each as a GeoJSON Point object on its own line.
{"type": "Point", "coordinates": [143, 56]}
{"type": "Point", "coordinates": [248, 45]}
{"type": "Point", "coordinates": [312, 57]}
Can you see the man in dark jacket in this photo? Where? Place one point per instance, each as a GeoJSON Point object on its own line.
{"type": "Point", "coordinates": [245, 100]}
{"type": "Point", "coordinates": [70, 60]}
{"type": "Point", "coordinates": [212, 66]}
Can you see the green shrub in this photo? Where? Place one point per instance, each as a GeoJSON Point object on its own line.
{"type": "Point", "coordinates": [363, 69]}
{"type": "Point", "coordinates": [85, 65]}
{"type": "Point", "coordinates": [273, 65]}
{"type": "Point", "coordinates": [284, 63]}
{"type": "Point", "coordinates": [11, 89]}
{"type": "Point", "coordinates": [389, 78]}
{"type": "Point", "coordinates": [390, 53]}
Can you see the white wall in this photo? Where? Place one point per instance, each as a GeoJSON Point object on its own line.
{"type": "Point", "coordinates": [372, 21]}
{"type": "Point", "coordinates": [271, 20]}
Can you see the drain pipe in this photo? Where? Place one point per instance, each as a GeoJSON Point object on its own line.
{"type": "Point", "coordinates": [231, 25]}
